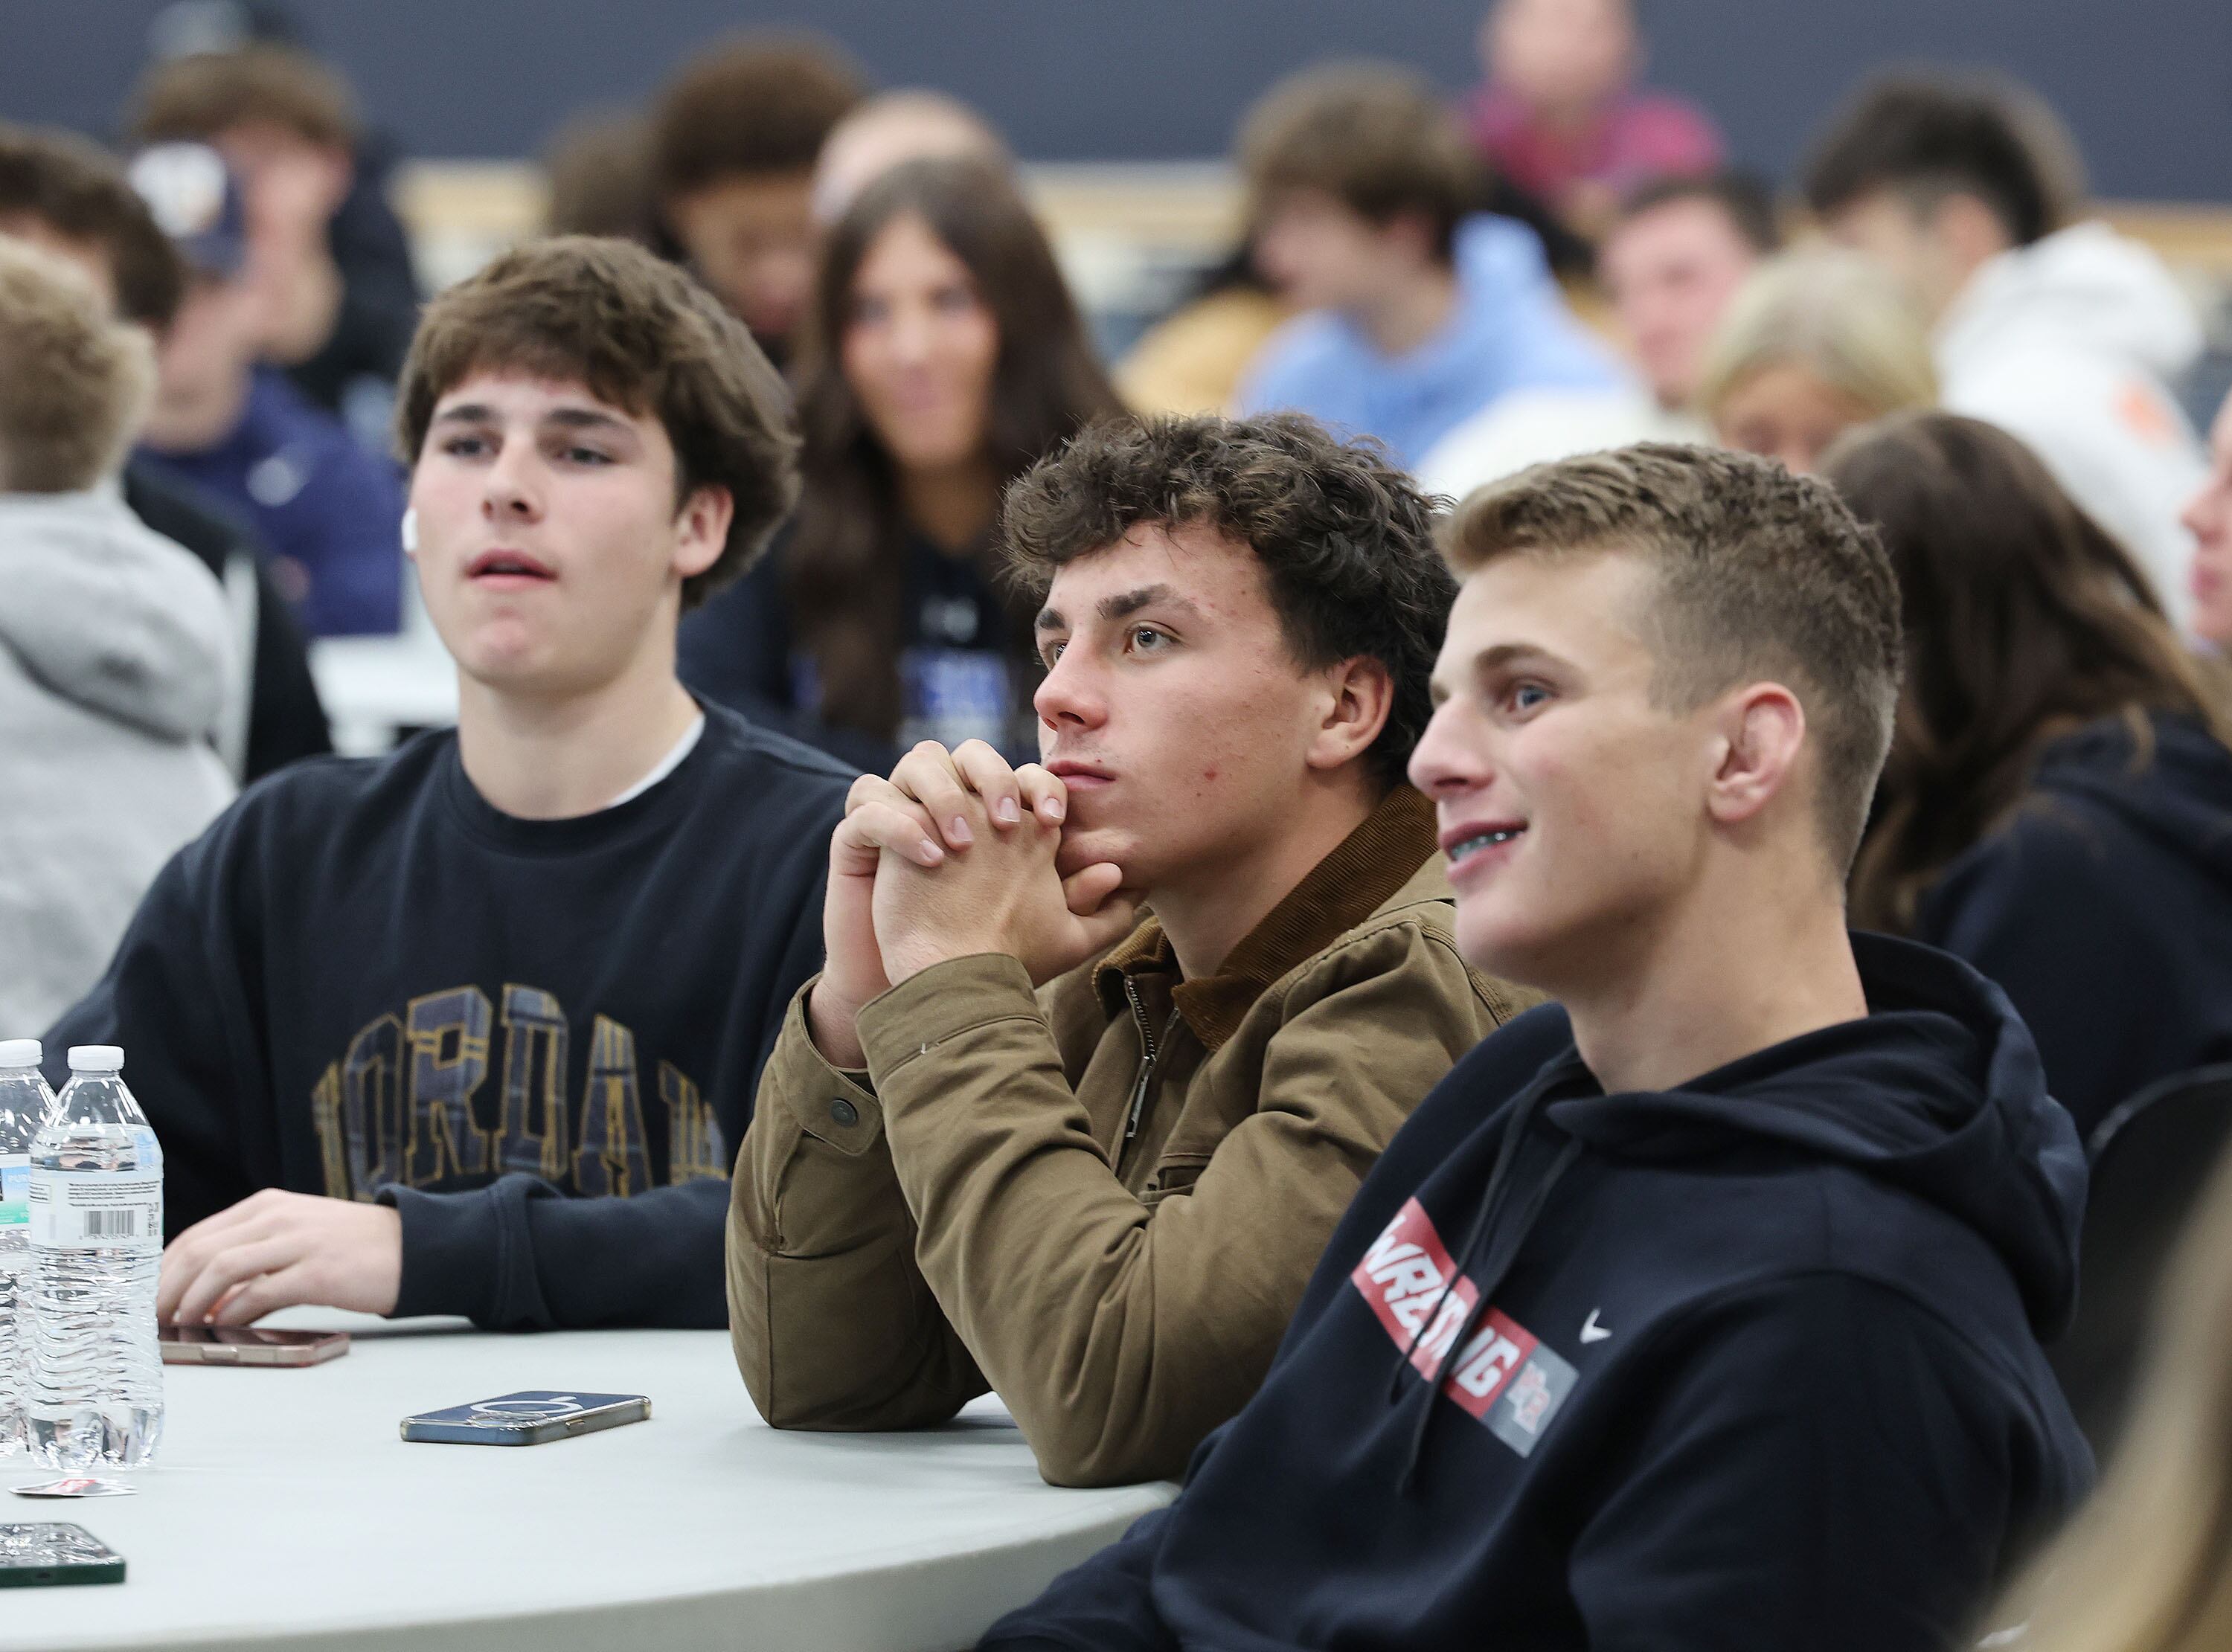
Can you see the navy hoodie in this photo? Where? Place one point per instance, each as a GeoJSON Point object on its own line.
{"type": "Point", "coordinates": [2103, 907]}
{"type": "Point", "coordinates": [1752, 1363]}
{"type": "Point", "coordinates": [538, 1040]}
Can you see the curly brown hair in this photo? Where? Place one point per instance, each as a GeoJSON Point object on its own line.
{"type": "Point", "coordinates": [1761, 574]}
{"type": "Point", "coordinates": [758, 104]}
{"type": "Point", "coordinates": [1345, 538]}
{"type": "Point", "coordinates": [1376, 137]}
{"type": "Point", "coordinates": [641, 335]}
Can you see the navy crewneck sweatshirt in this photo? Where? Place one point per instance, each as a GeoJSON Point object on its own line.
{"type": "Point", "coordinates": [1751, 1362]}
{"type": "Point", "coordinates": [538, 1040]}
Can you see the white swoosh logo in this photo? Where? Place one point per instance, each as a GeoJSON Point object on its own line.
{"type": "Point", "coordinates": [1591, 1331]}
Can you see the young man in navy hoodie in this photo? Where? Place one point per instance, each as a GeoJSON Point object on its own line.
{"type": "Point", "coordinates": [474, 1028]}
{"type": "Point", "coordinates": [1702, 1308]}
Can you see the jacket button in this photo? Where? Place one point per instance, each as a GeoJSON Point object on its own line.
{"type": "Point", "coordinates": [844, 1113]}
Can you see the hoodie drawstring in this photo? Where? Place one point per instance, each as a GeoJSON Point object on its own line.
{"type": "Point", "coordinates": [1489, 1282]}
{"type": "Point", "coordinates": [1507, 1154]}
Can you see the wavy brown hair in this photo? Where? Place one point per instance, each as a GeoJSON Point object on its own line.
{"type": "Point", "coordinates": [640, 334]}
{"type": "Point", "coordinates": [845, 569]}
{"type": "Point", "coordinates": [2024, 619]}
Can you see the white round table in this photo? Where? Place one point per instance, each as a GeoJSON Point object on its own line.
{"type": "Point", "coordinates": [285, 1512]}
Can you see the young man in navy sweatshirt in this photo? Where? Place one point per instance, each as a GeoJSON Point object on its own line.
{"type": "Point", "coordinates": [1702, 1308]}
{"type": "Point", "coordinates": [475, 1027]}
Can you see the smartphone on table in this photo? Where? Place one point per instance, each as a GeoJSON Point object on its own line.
{"type": "Point", "coordinates": [527, 1418]}
{"type": "Point", "coordinates": [41, 1552]}
{"type": "Point", "coordinates": [249, 1345]}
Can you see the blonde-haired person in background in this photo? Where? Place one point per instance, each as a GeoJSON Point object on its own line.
{"type": "Point", "coordinates": [2147, 1567]}
{"type": "Point", "coordinates": [115, 648]}
{"type": "Point", "coordinates": [890, 129]}
{"type": "Point", "coordinates": [1816, 343]}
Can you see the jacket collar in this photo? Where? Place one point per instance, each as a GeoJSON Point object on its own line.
{"type": "Point", "coordinates": [1389, 851]}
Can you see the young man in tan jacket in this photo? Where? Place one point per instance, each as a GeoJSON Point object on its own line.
{"type": "Point", "coordinates": [991, 1151]}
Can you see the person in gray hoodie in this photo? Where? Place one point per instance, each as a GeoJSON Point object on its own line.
{"type": "Point", "coordinates": [114, 648]}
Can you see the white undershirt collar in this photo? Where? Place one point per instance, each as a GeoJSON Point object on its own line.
{"type": "Point", "coordinates": [666, 765]}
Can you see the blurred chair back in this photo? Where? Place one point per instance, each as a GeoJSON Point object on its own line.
{"type": "Point", "coordinates": [2150, 1158]}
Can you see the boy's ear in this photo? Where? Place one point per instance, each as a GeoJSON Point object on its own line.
{"type": "Point", "coordinates": [703, 529]}
{"type": "Point", "coordinates": [1361, 693]}
{"type": "Point", "coordinates": [1761, 730]}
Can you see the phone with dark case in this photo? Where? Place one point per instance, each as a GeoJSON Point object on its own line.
{"type": "Point", "coordinates": [527, 1418]}
{"type": "Point", "coordinates": [40, 1553]}
{"type": "Point", "coordinates": [249, 1345]}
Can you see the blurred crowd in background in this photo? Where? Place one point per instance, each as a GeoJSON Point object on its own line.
{"type": "Point", "coordinates": [1559, 260]}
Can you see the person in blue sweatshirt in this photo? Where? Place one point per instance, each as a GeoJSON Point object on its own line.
{"type": "Point", "coordinates": [326, 509]}
{"type": "Point", "coordinates": [1701, 1308]}
{"type": "Point", "coordinates": [474, 1028]}
{"type": "Point", "coordinates": [1420, 309]}
{"type": "Point", "coordinates": [2058, 806]}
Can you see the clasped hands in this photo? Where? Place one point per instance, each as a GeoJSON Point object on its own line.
{"type": "Point", "coordinates": [954, 855]}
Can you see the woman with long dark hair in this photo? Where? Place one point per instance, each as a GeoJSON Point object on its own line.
{"type": "Point", "coordinates": [943, 357]}
{"type": "Point", "coordinates": [2057, 807]}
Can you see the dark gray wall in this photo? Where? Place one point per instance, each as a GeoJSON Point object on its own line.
{"type": "Point", "coordinates": [2147, 84]}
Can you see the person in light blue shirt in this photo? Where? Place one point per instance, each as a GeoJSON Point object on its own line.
{"type": "Point", "coordinates": [1418, 312]}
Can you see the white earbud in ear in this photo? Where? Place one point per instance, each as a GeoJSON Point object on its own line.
{"type": "Point", "coordinates": [410, 533]}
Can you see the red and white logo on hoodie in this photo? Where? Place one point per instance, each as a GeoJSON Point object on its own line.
{"type": "Point", "coordinates": [1503, 1376]}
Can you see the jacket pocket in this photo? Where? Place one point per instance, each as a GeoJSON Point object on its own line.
{"type": "Point", "coordinates": [1176, 1174]}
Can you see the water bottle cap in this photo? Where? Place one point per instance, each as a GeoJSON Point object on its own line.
{"type": "Point", "coordinates": [96, 1058]}
{"type": "Point", "coordinates": [21, 1052]}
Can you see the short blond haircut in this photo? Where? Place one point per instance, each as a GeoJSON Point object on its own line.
{"type": "Point", "coordinates": [1836, 315]}
{"type": "Point", "coordinates": [1761, 575]}
{"type": "Point", "coordinates": [74, 384]}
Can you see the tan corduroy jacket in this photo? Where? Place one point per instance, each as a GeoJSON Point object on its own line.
{"type": "Point", "coordinates": [1103, 1198]}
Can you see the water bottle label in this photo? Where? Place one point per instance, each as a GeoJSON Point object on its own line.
{"type": "Point", "coordinates": [15, 1190]}
{"type": "Point", "coordinates": [97, 1210]}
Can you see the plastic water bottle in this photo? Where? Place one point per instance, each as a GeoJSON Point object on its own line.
{"type": "Point", "coordinates": [25, 1102]}
{"type": "Point", "coordinates": [95, 1396]}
